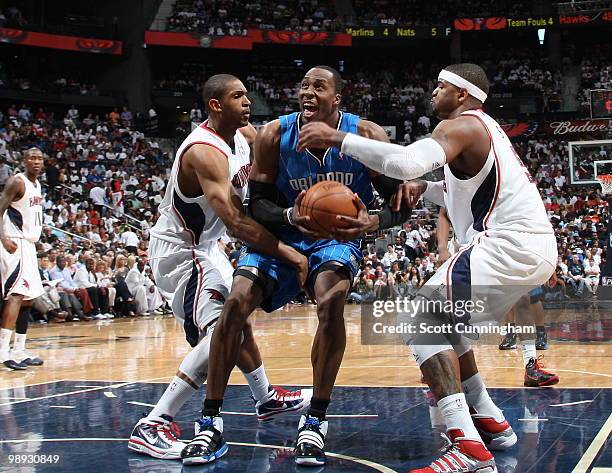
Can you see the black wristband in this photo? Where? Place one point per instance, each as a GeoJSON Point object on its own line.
{"type": "Point", "coordinates": [385, 186]}
{"type": "Point", "coordinates": [387, 218]}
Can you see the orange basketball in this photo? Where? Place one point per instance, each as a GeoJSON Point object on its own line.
{"type": "Point", "coordinates": [326, 200]}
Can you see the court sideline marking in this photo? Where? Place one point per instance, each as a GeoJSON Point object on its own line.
{"type": "Point", "coordinates": [113, 386]}
{"type": "Point", "coordinates": [585, 462]}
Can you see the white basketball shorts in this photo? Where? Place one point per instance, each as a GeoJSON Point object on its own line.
{"type": "Point", "coordinates": [19, 271]}
{"type": "Point", "coordinates": [498, 266]}
{"type": "Point", "coordinates": [195, 281]}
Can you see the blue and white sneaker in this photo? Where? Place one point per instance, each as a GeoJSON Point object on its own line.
{"type": "Point", "coordinates": [280, 401]}
{"type": "Point", "coordinates": [208, 443]}
{"type": "Point", "coordinates": [157, 437]}
{"type": "Point", "coordinates": [7, 360]}
{"type": "Point", "coordinates": [310, 442]}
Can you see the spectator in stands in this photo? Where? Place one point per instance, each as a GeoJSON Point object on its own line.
{"type": "Point", "coordinates": [86, 278]}
{"type": "Point", "coordinates": [130, 241]}
{"type": "Point", "coordinates": [576, 276]}
{"type": "Point", "coordinates": [145, 293]}
{"type": "Point", "coordinates": [362, 290]}
{"type": "Point", "coordinates": [591, 273]}
{"type": "Point", "coordinates": [82, 306]}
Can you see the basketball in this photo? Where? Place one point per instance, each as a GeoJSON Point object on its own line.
{"type": "Point", "coordinates": [326, 200]}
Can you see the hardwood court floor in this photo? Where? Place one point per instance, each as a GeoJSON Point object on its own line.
{"type": "Point", "coordinates": [75, 414]}
{"type": "Point", "coordinates": [150, 349]}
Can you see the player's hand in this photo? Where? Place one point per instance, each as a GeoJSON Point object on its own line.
{"type": "Point", "coordinates": [354, 227]}
{"type": "Point", "coordinates": [319, 135]}
{"type": "Point", "coordinates": [408, 194]}
{"type": "Point", "coordinates": [300, 263]}
{"type": "Point", "coordinates": [9, 245]}
{"type": "Point", "coordinates": [443, 255]}
{"type": "Point", "coordinates": [302, 222]}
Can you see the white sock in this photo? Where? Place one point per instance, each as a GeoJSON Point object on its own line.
{"type": "Point", "coordinates": [529, 350]}
{"type": "Point", "coordinates": [19, 342]}
{"type": "Point", "coordinates": [456, 414]}
{"type": "Point", "coordinates": [478, 398]}
{"type": "Point", "coordinates": [258, 382]}
{"type": "Point", "coordinates": [5, 339]}
{"type": "Point", "coordinates": [175, 396]}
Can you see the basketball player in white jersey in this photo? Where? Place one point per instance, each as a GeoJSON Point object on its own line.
{"type": "Point", "coordinates": [203, 201]}
{"type": "Point", "coordinates": [20, 229]}
{"type": "Point", "coordinates": [505, 237]}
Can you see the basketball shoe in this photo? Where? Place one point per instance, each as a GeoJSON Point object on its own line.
{"type": "Point", "coordinates": [208, 443]}
{"type": "Point", "coordinates": [310, 442]}
{"type": "Point", "coordinates": [497, 436]}
{"type": "Point", "coordinates": [509, 342]}
{"type": "Point", "coordinates": [26, 358]}
{"type": "Point", "coordinates": [7, 360]}
{"type": "Point", "coordinates": [536, 377]}
{"type": "Point", "coordinates": [280, 401]}
{"type": "Point", "coordinates": [157, 437]}
{"type": "Point", "coordinates": [461, 456]}
{"type": "Point", "coordinates": [541, 340]}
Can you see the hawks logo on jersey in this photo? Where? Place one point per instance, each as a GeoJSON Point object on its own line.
{"type": "Point", "coordinates": [241, 178]}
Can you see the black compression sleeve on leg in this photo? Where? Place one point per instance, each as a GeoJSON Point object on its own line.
{"type": "Point", "coordinates": [23, 320]}
{"type": "Point", "coordinates": [265, 203]}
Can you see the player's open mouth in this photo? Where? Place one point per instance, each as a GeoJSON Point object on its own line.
{"type": "Point", "coordinates": [309, 109]}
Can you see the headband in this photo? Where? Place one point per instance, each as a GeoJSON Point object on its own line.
{"type": "Point", "coordinates": [462, 83]}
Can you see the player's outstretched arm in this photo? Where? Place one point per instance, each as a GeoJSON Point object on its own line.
{"type": "Point", "coordinates": [212, 170]}
{"type": "Point", "coordinates": [448, 141]}
{"type": "Point", "coordinates": [14, 190]}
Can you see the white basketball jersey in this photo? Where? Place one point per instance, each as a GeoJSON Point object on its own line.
{"type": "Point", "coordinates": [191, 222]}
{"type": "Point", "coordinates": [23, 219]}
{"type": "Point", "coordinates": [502, 196]}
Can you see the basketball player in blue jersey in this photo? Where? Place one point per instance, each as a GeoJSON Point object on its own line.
{"type": "Point", "coordinates": [278, 181]}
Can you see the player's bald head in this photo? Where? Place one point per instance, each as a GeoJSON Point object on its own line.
{"type": "Point", "coordinates": [216, 87]}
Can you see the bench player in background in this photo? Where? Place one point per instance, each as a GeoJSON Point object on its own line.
{"type": "Point", "coordinates": [506, 238]}
{"type": "Point", "coordinates": [20, 229]}
{"type": "Point", "coordinates": [203, 201]}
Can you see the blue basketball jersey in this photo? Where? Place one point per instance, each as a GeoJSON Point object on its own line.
{"type": "Point", "coordinates": [298, 171]}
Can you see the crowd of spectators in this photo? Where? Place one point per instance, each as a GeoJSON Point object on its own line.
{"type": "Point", "coordinates": [103, 181]}
{"type": "Point", "coordinates": [232, 17]}
{"type": "Point", "coordinates": [14, 75]}
{"type": "Point", "coordinates": [595, 73]}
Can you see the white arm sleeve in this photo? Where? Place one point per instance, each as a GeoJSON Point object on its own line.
{"type": "Point", "coordinates": [435, 192]}
{"type": "Point", "coordinates": [399, 162]}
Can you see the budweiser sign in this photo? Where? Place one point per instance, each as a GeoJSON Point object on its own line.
{"type": "Point", "coordinates": [578, 126]}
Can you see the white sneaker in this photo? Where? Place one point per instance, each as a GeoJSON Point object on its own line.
{"type": "Point", "coordinates": [99, 317]}
{"type": "Point", "coordinates": [157, 438]}
{"type": "Point", "coordinates": [7, 360]}
{"type": "Point", "coordinates": [25, 358]}
{"type": "Point", "coordinates": [109, 315]}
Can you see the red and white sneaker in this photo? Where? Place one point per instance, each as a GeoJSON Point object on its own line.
{"type": "Point", "coordinates": [536, 377]}
{"type": "Point", "coordinates": [497, 436]}
{"type": "Point", "coordinates": [461, 456]}
{"type": "Point", "coordinates": [280, 401]}
{"type": "Point", "coordinates": [157, 438]}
